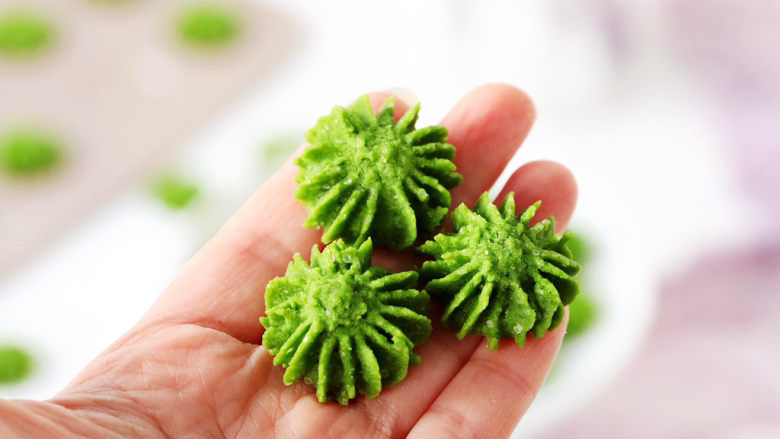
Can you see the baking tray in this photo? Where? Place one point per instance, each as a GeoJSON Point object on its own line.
{"type": "Point", "coordinates": [121, 91]}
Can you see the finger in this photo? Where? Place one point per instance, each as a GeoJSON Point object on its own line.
{"type": "Point", "coordinates": [498, 125]}
{"type": "Point", "coordinates": [548, 181]}
{"type": "Point", "coordinates": [398, 408]}
{"type": "Point", "coordinates": [222, 286]}
{"type": "Point", "coordinates": [493, 390]}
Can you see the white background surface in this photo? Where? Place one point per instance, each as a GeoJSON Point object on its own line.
{"type": "Point", "coordinates": [653, 187]}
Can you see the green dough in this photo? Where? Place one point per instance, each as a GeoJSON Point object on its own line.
{"type": "Point", "coordinates": [27, 154]}
{"type": "Point", "coordinates": [368, 176]}
{"type": "Point", "coordinates": [15, 364]}
{"type": "Point", "coordinates": [342, 325]}
{"type": "Point", "coordinates": [208, 26]}
{"type": "Point", "coordinates": [583, 313]}
{"type": "Point", "coordinates": [174, 191]}
{"type": "Point", "coordinates": [23, 33]}
{"type": "Point", "coordinates": [496, 275]}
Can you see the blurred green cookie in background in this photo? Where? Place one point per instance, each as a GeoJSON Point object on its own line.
{"type": "Point", "coordinates": [583, 312]}
{"type": "Point", "coordinates": [15, 364]}
{"type": "Point", "coordinates": [175, 191]}
{"type": "Point", "coordinates": [580, 248]}
{"type": "Point", "coordinates": [24, 33]}
{"type": "Point", "coordinates": [582, 315]}
{"type": "Point", "coordinates": [26, 153]}
{"type": "Point", "coordinates": [279, 148]}
{"type": "Point", "coordinates": [208, 26]}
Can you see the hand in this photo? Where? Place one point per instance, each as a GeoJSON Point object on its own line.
{"type": "Point", "coordinates": [193, 366]}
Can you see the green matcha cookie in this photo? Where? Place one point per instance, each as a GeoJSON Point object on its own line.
{"type": "Point", "coordinates": [342, 325]}
{"type": "Point", "coordinates": [276, 150]}
{"type": "Point", "coordinates": [28, 153]}
{"type": "Point", "coordinates": [15, 364]}
{"type": "Point", "coordinates": [583, 314]}
{"type": "Point", "coordinates": [208, 26]}
{"type": "Point", "coordinates": [176, 192]}
{"type": "Point", "coordinates": [498, 276]}
{"type": "Point", "coordinates": [368, 176]}
{"type": "Point", "coordinates": [24, 33]}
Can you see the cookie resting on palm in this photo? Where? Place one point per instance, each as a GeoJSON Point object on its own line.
{"type": "Point", "coordinates": [342, 325]}
{"type": "Point", "coordinates": [497, 276]}
{"type": "Point", "coordinates": [365, 175]}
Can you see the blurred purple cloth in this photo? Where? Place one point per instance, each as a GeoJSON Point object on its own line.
{"type": "Point", "coordinates": [732, 48]}
{"type": "Point", "coordinates": [709, 368]}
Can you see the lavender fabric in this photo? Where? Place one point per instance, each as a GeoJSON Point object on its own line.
{"type": "Point", "coordinates": [733, 49]}
{"type": "Point", "coordinates": [709, 365]}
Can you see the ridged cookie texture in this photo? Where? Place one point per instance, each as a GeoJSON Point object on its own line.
{"type": "Point", "coordinates": [497, 276]}
{"type": "Point", "coordinates": [366, 175]}
{"type": "Point", "coordinates": [342, 325]}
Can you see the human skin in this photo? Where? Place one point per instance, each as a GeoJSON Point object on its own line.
{"type": "Point", "coordinates": [193, 366]}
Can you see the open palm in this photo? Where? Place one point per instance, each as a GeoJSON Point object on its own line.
{"type": "Point", "coordinates": [193, 366]}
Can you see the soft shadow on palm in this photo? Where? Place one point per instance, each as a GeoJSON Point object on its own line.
{"type": "Point", "coordinates": [193, 366]}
